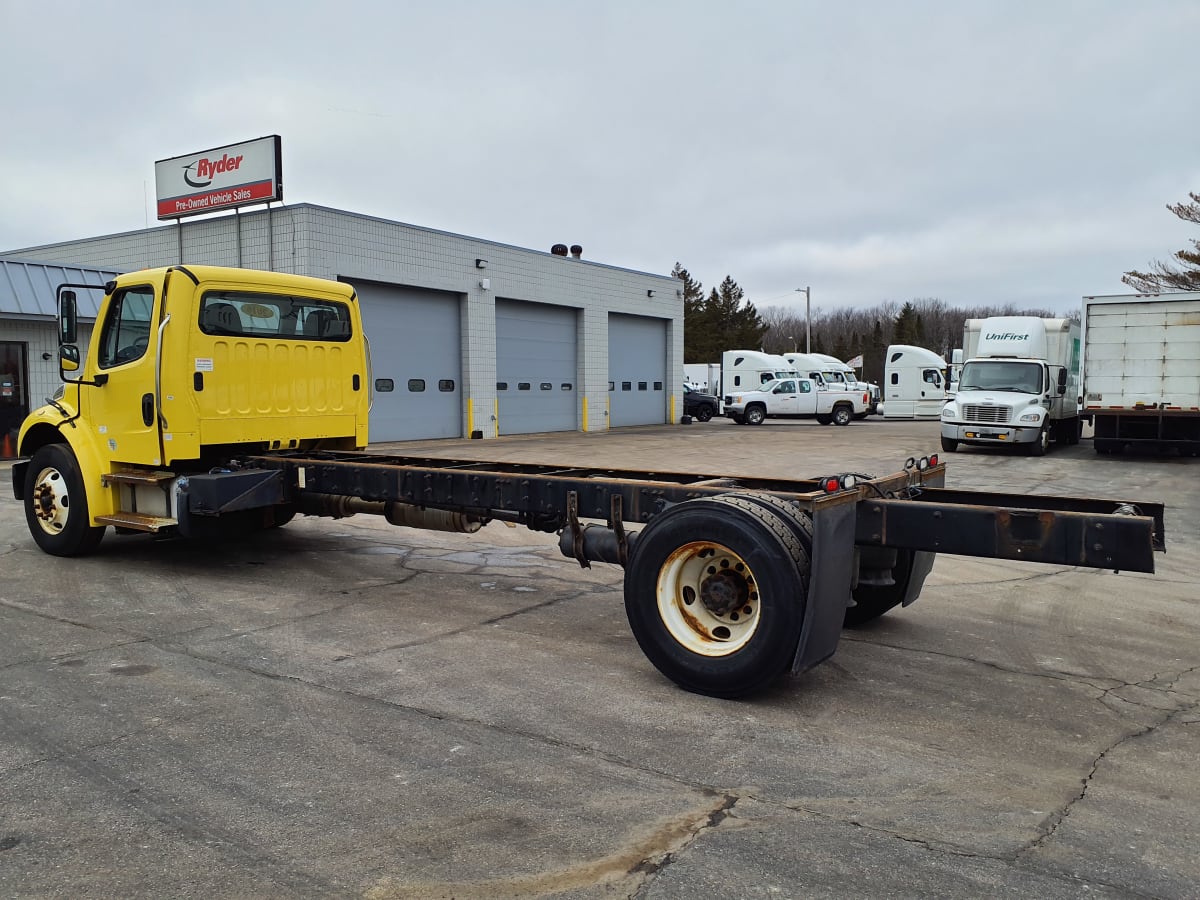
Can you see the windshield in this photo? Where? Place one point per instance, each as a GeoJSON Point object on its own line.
{"type": "Point", "coordinates": [1001, 375]}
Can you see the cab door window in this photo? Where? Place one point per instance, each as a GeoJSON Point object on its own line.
{"type": "Point", "coordinates": [126, 331]}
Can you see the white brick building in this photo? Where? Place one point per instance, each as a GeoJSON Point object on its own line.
{"type": "Point", "coordinates": [469, 337]}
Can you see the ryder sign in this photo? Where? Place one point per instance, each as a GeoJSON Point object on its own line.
{"type": "Point", "coordinates": [221, 178]}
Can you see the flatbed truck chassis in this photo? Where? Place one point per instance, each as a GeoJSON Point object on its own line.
{"type": "Point", "coordinates": [213, 401]}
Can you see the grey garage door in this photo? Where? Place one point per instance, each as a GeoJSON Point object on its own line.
{"type": "Point", "coordinates": [416, 360]}
{"type": "Point", "coordinates": [637, 370]}
{"type": "Point", "coordinates": [536, 367]}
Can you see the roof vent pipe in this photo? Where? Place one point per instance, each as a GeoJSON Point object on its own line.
{"type": "Point", "coordinates": [559, 249]}
{"type": "Point", "coordinates": [576, 251]}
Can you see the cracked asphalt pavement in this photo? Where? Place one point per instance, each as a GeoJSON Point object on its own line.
{"type": "Point", "coordinates": [348, 709]}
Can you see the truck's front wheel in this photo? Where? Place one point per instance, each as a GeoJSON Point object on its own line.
{"type": "Point", "coordinates": [715, 593]}
{"type": "Point", "coordinates": [843, 415]}
{"type": "Point", "coordinates": [56, 507]}
{"type": "Point", "coordinates": [1042, 444]}
{"type": "Point", "coordinates": [949, 445]}
{"type": "Point", "coordinates": [755, 415]}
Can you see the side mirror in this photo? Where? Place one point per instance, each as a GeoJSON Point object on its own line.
{"type": "Point", "coordinates": [1062, 381]}
{"type": "Point", "coordinates": [68, 357]}
{"type": "Point", "coordinates": [67, 318]}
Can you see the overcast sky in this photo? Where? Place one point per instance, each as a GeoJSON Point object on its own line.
{"type": "Point", "coordinates": [978, 152]}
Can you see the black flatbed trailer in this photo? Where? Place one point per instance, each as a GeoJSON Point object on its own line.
{"type": "Point", "coordinates": [730, 581]}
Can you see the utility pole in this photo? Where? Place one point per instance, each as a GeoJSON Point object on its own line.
{"type": "Point", "coordinates": [807, 320]}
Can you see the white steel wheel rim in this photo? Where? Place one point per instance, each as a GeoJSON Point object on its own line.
{"type": "Point", "coordinates": [51, 500]}
{"type": "Point", "coordinates": [708, 599]}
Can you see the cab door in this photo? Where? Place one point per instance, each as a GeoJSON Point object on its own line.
{"type": "Point", "coordinates": [124, 409]}
{"type": "Point", "coordinates": [933, 395]}
{"type": "Point", "coordinates": [785, 399]}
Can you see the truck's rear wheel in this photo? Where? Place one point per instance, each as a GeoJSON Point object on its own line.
{"type": "Point", "coordinates": [715, 594]}
{"type": "Point", "coordinates": [704, 413]}
{"type": "Point", "coordinates": [755, 415]}
{"type": "Point", "coordinates": [843, 415]}
{"type": "Point", "coordinates": [56, 507]}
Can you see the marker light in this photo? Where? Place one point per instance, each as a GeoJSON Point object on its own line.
{"type": "Point", "coordinates": [933, 460]}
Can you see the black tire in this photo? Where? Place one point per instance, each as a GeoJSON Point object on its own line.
{"type": "Point", "coordinates": [56, 507]}
{"type": "Point", "coordinates": [1075, 432]}
{"type": "Point", "coordinates": [824, 419]}
{"type": "Point", "coordinates": [949, 445]}
{"type": "Point", "coordinates": [843, 416]}
{"type": "Point", "coordinates": [723, 575]}
{"type": "Point", "coordinates": [1042, 444]}
{"type": "Point", "coordinates": [703, 414]}
{"type": "Point", "coordinates": [872, 601]}
{"type": "Point", "coordinates": [756, 414]}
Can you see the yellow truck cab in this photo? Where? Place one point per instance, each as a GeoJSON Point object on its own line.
{"type": "Point", "coordinates": [187, 365]}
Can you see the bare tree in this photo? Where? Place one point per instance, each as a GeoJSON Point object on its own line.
{"type": "Point", "coordinates": [1165, 277]}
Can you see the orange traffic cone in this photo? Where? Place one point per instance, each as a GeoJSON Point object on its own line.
{"type": "Point", "coordinates": [7, 451]}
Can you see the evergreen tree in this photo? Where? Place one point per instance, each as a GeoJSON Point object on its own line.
{"type": "Point", "coordinates": [694, 326]}
{"type": "Point", "coordinates": [905, 331]}
{"type": "Point", "coordinates": [1164, 276]}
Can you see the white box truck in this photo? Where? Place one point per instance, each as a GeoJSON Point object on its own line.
{"type": "Point", "coordinates": [1141, 370]}
{"type": "Point", "coordinates": [1019, 385]}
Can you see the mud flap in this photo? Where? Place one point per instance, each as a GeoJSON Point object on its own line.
{"type": "Point", "coordinates": [829, 584]}
{"type": "Point", "coordinates": [19, 468]}
{"type": "Point", "coordinates": [922, 564]}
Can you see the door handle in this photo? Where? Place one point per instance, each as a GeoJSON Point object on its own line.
{"type": "Point", "coordinates": [147, 409]}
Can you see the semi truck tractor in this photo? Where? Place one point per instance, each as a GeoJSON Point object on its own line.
{"type": "Point", "coordinates": [914, 380]}
{"type": "Point", "coordinates": [1019, 385]}
{"type": "Point", "coordinates": [215, 402]}
{"type": "Point", "coordinates": [1141, 371]}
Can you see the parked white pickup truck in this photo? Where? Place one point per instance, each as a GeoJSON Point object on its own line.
{"type": "Point", "coordinates": [796, 398]}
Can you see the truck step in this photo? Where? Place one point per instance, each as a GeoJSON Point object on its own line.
{"type": "Point", "coordinates": [137, 476]}
{"type": "Point", "coordinates": [137, 521]}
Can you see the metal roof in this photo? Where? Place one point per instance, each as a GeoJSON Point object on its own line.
{"type": "Point", "coordinates": [27, 288]}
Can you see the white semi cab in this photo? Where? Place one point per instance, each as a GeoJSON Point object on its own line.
{"type": "Point", "coordinates": [795, 398]}
{"type": "Point", "coordinates": [1141, 371]}
{"type": "Point", "coordinates": [750, 370]}
{"type": "Point", "coordinates": [914, 383]}
{"type": "Point", "coordinates": [1019, 385]}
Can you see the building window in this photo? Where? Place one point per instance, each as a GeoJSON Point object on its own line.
{"type": "Point", "coordinates": [502, 385]}
{"type": "Point", "coordinates": [416, 385]}
{"type": "Point", "coordinates": [641, 385]}
{"type": "Point", "coordinates": [627, 385]}
{"type": "Point", "coordinates": [384, 385]}
{"type": "Point", "coordinates": [547, 386]}
{"type": "Point", "coordinates": [612, 385]}
{"type": "Point", "coordinates": [446, 385]}
{"type": "Point", "coordinates": [658, 385]}
{"type": "Point", "coordinates": [566, 386]}
{"type": "Point", "coordinates": [522, 385]}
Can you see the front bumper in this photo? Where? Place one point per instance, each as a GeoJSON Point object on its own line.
{"type": "Point", "coordinates": [988, 434]}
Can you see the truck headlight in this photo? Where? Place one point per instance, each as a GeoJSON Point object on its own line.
{"type": "Point", "coordinates": [1035, 416]}
{"type": "Point", "coordinates": [949, 412]}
